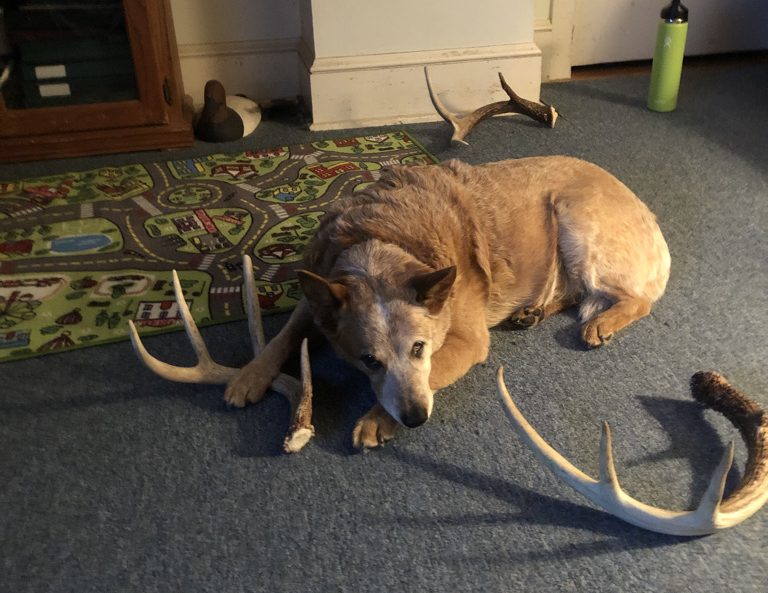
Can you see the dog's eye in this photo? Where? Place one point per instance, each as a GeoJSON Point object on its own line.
{"type": "Point", "coordinates": [418, 349]}
{"type": "Point", "coordinates": [371, 361]}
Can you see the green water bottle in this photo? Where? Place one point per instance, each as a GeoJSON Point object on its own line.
{"type": "Point", "coordinates": [668, 58]}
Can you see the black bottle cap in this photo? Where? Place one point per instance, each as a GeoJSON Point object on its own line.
{"type": "Point", "coordinates": [675, 13]}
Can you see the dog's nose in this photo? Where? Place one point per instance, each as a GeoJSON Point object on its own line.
{"type": "Point", "coordinates": [414, 417]}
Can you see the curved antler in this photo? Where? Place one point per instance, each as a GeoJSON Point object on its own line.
{"type": "Point", "coordinates": [711, 515]}
{"type": "Point", "coordinates": [205, 371]}
{"type": "Point", "coordinates": [298, 393]}
{"type": "Point", "coordinates": [463, 124]}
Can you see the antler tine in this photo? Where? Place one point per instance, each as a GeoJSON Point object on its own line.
{"type": "Point", "coordinates": [463, 124]}
{"type": "Point", "coordinates": [454, 120]}
{"type": "Point", "coordinates": [608, 475]}
{"type": "Point", "coordinates": [546, 453]}
{"type": "Point", "coordinates": [205, 371]}
{"type": "Point", "coordinates": [253, 309]}
{"type": "Point", "coordinates": [542, 112]}
{"type": "Point", "coordinates": [298, 393]}
{"type": "Point", "coordinates": [709, 507]}
{"type": "Point", "coordinates": [710, 516]}
{"type": "Point", "coordinates": [190, 327]}
{"type": "Point", "coordinates": [194, 374]}
{"type": "Point", "coordinates": [300, 398]}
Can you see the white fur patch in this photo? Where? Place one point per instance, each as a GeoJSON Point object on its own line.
{"type": "Point", "coordinates": [593, 305]}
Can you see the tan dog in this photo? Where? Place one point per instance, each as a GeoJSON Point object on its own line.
{"type": "Point", "coordinates": [406, 276]}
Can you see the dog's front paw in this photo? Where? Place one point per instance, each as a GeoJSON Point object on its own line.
{"type": "Point", "coordinates": [374, 429]}
{"type": "Point", "coordinates": [249, 385]}
{"type": "Point", "coordinates": [595, 334]}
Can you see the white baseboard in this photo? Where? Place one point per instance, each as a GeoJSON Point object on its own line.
{"type": "Point", "coordinates": [385, 89]}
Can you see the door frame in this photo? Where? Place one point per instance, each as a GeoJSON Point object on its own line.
{"type": "Point", "coordinates": [553, 34]}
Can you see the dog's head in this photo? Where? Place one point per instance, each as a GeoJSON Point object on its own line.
{"type": "Point", "coordinates": [388, 327]}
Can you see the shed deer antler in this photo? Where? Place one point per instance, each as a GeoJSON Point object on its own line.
{"type": "Point", "coordinates": [463, 124]}
{"type": "Point", "coordinates": [298, 393]}
{"type": "Point", "coordinates": [713, 513]}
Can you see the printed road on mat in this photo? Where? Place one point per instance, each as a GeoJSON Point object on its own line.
{"type": "Point", "coordinates": [82, 253]}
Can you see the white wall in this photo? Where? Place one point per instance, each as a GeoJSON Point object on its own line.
{"type": "Point", "coordinates": [206, 21]}
{"type": "Point", "coordinates": [395, 26]}
{"type": "Point", "coordinates": [621, 30]}
{"type": "Point", "coordinates": [251, 46]}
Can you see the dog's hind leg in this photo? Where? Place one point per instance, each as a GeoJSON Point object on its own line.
{"type": "Point", "coordinates": [614, 254]}
{"type": "Point", "coordinates": [626, 309]}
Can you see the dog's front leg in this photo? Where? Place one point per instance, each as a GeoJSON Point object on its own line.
{"type": "Point", "coordinates": [374, 429]}
{"type": "Point", "coordinates": [253, 380]}
{"type": "Point", "coordinates": [460, 351]}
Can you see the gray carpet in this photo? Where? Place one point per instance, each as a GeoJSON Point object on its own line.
{"type": "Point", "coordinates": [114, 480]}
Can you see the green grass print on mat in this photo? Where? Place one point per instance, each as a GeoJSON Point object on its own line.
{"type": "Point", "coordinates": [82, 253]}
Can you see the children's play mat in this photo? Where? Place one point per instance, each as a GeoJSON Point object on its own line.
{"type": "Point", "coordinates": [81, 253]}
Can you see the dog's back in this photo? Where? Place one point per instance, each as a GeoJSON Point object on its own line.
{"type": "Point", "coordinates": [534, 234]}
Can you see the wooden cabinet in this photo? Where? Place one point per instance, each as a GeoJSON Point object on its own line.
{"type": "Point", "coordinates": [84, 118]}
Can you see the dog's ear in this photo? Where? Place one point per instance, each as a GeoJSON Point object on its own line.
{"type": "Point", "coordinates": [318, 290]}
{"type": "Point", "coordinates": [432, 289]}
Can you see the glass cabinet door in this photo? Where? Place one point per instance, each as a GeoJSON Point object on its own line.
{"type": "Point", "coordinates": [66, 53]}
{"type": "Point", "coordinates": [59, 59]}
